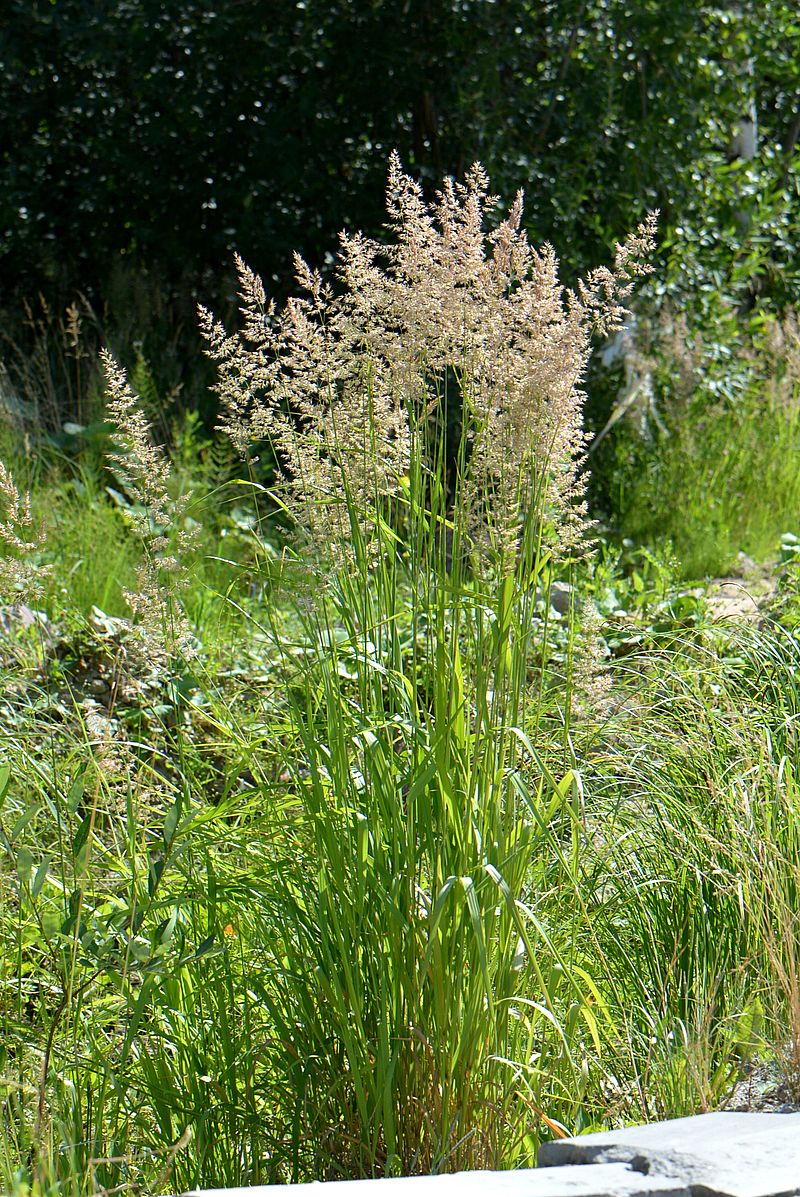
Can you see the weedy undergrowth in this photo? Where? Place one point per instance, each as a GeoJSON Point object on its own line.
{"type": "Point", "coordinates": [722, 441]}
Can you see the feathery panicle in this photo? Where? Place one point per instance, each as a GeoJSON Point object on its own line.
{"type": "Point", "coordinates": [602, 289]}
{"type": "Point", "coordinates": [783, 344]}
{"type": "Point", "coordinates": [143, 469]}
{"type": "Point", "coordinates": [345, 382]}
{"type": "Point", "coordinates": [20, 577]}
{"type": "Point", "coordinates": [591, 681]}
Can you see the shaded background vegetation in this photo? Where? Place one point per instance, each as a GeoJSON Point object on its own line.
{"type": "Point", "coordinates": [150, 139]}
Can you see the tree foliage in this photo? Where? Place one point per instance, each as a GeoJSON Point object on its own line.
{"type": "Point", "coordinates": [164, 133]}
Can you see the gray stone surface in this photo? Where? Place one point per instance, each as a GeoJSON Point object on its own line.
{"type": "Point", "coordinates": [713, 1155]}
{"type": "Point", "coordinates": [716, 1155]}
{"type": "Point", "coordinates": [601, 1180]}
{"type": "Point", "coordinates": [768, 1085]}
{"type": "Point", "coordinates": [561, 597]}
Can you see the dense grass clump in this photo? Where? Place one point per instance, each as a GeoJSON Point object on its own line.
{"type": "Point", "coordinates": [389, 842]}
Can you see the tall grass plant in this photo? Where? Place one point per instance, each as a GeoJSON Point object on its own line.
{"type": "Point", "coordinates": [409, 889]}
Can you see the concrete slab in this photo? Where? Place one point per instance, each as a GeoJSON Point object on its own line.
{"type": "Point", "coordinates": [601, 1180]}
{"type": "Point", "coordinates": [715, 1155]}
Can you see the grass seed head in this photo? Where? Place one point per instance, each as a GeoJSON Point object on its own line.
{"type": "Point", "coordinates": [347, 380]}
